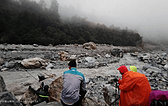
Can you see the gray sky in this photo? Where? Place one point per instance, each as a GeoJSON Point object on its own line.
{"type": "Point", "coordinates": [148, 17]}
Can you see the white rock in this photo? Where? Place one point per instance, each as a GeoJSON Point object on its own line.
{"type": "Point", "coordinates": [90, 59]}
{"type": "Point", "coordinates": [166, 67]}
{"type": "Point", "coordinates": [73, 57]}
{"type": "Point", "coordinates": [33, 62]}
{"type": "Point", "coordinates": [107, 55]}
{"type": "Point", "coordinates": [49, 66]}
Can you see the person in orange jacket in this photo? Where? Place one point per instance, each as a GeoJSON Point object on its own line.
{"type": "Point", "coordinates": [135, 88]}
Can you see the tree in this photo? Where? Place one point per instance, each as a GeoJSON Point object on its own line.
{"type": "Point", "coordinates": [28, 22]}
{"type": "Point", "coordinates": [42, 4]}
{"type": "Point", "coordinates": [54, 6]}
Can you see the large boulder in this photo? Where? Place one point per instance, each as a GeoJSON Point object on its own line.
{"type": "Point", "coordinates": [55, 89]}
{"type": "Point", "coordinates": [89, 45]}
{"type": "Point", "coordinates": [117, 52]}
{"type": "Point", "coordinates": [7, 98]}
{"type": "Point", "coordinates": [33, 63]}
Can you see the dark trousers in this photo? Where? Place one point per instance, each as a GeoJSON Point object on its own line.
{"type": "Point", "coordinates": [78, 103]}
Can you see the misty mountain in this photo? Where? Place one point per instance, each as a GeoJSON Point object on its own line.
{"type": "Point", "coordinates": [29, 22]}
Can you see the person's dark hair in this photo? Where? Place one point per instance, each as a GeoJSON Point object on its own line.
{"type": "Point", "coordinates": [72, 63]}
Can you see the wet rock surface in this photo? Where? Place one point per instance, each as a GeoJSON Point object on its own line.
{"type": "Point", "coordinates": [2, 84]}
{"type": "Point", "coordinates": [98, 65]}
{"type": "Point", "coordinates": [6, 97]}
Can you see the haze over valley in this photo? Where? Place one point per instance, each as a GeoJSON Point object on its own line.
{"type": "Point", "coordinates": [149, 18]}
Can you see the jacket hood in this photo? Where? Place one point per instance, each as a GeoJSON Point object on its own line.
{"type": "Point", "coordinates": [123, 69]}
{"type": "Point", "coordinates": [133, 68]}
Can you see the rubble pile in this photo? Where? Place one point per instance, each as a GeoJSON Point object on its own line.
{"type": "Point", "coordinates": [18, 57]}
{"type": "Point", "coordinates": [156, 70]}
{"type": "Point", "coordinates": [103, 90]}
{"type": "Point", "coordinates": [155, 59]}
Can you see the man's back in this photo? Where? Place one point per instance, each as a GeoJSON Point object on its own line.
{"type": "Point", "coordinates": [71, 86]}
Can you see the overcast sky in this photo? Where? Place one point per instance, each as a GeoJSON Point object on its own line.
{"type": "Point", "coordinates": [148, 17]}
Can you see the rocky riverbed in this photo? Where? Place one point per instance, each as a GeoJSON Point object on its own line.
{"type": "Point", "coordinates": [21, 65]}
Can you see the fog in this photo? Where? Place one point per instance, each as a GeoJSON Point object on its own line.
{"type": "Point", "coordinates": [148, 17]}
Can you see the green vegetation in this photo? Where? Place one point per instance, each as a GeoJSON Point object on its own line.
{"type": "Point", "coordinates": [27, 22]}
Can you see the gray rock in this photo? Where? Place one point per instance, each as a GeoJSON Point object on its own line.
{"type": "Point", "coordinates": [8, 99]}
{"type": "Point", "coordinates": [10, 64]}
{"type": "Point", "coordinates": [1, 61]}
{"type": "Point", "coordinates": [134, 54]}
{"type": "Point", "coordinates": [35, 45]}
{"type": "Point", "coordinates": [90, 59]}
{"type": "Point", "coordinates": [117, 52]}
{"type": "Point", "coordinates": [41, 104]}
{"type": "Point", "coordinates": [49, 66]}
{"type": "Point", "coordinates": [53, 104]}
{"type": "Point", "coordinates": [166, 67]}
{"type": "Point", "coordinates": [2, 84]}
{"type": "Point", "coordinates": [107, 56]}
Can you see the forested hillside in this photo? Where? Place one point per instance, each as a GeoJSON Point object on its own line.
{"type": "Point", "coordinates": [28, 22]}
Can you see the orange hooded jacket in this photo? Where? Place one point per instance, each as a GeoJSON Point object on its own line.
{"type": "Point", "coordinates": [135, 88]}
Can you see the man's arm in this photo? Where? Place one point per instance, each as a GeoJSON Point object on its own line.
{"type": "Point", "coordinates": [83, 85]}
{"type": "Point", "coordinates": [127, 84]}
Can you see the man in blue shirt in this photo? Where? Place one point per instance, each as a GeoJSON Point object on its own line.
{"type": "Point", "coordinates": [74, 87]}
